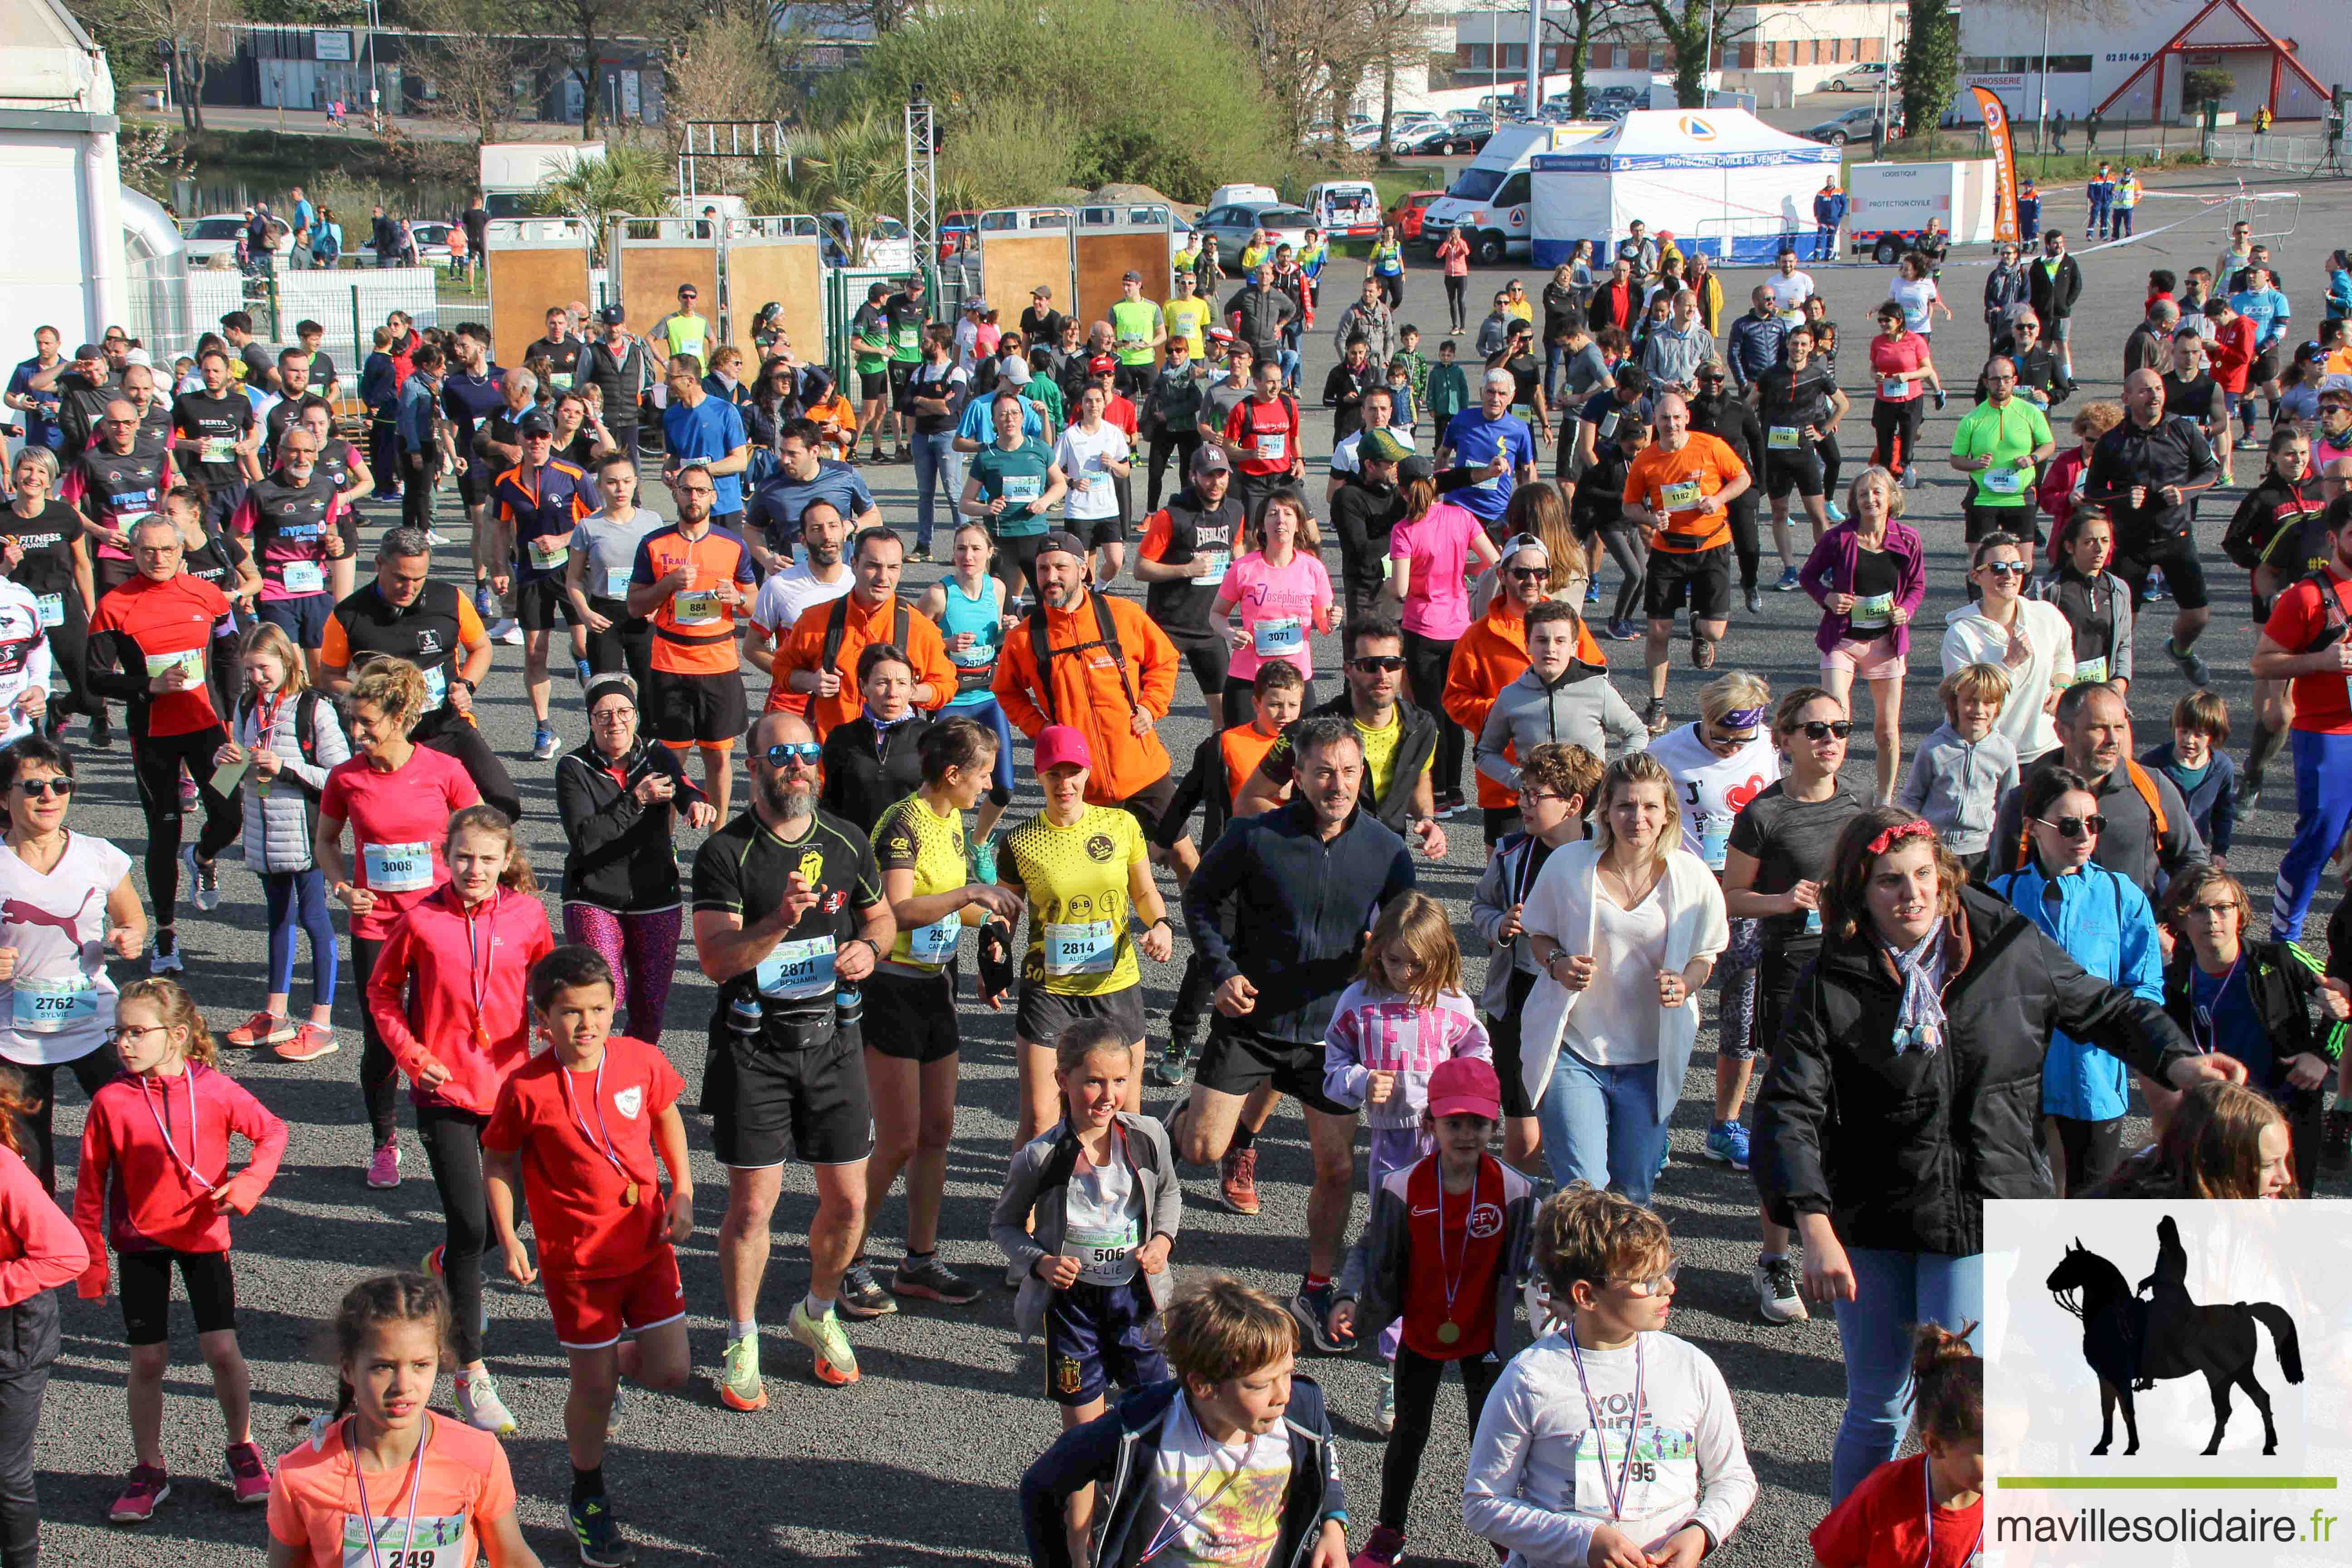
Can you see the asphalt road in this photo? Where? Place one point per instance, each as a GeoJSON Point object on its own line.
{"type": "Point", "coordinates": [915, 1465]}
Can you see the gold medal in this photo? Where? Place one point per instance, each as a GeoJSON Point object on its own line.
{"type": "Point", "coordinates": [1448, 1332]}
{"type": "Point", "coordinates": [629, 1201]}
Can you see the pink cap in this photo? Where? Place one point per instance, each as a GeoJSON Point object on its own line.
{"type": "Point", "coordinates": [1465, 1086]}
{"type": "Point", "coordinates": [1059, 746]}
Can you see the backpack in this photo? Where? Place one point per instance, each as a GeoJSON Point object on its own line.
{"type": "Point", "coordinates": [1041, 648]}
{"type": "Point", "coordinates": [836, 627]}
{"type": "Point", "coordinates": [305, 725]}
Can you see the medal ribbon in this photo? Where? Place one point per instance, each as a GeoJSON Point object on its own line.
{"type": "Point", "coordinates": [1186, 1511]}
{"type": "Point", "coordinates": [601, 1140]}
{"type": "Point", "coordinates": [1454, 1271]}
{"type": "Point", "coordinates": [478, 973]}
{"type": "Point", "coordinates": [416, 1487]}
{"type": "Point", "coordinates": [163, 1126]}
{"type": "Point", "coordinates": [1624, 1489]}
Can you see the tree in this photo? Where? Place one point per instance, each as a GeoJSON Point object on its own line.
{"type": "Point", "coordinates": [1930, 71]}
{"type": "Point", "coordinates": [630, 180]}
{"type": "Point", "coordinates": [726, 68]}
{"type": "Point", "coordinates": [1689, 32]}
{"type": "Point", "coordinates": [1588, 19]}
{"type": "Point", "coordinates": [1400, 36]}
{"type": "Point", "coordinates": [1311, 54]}
{"type": "Point", "coordinates": [187, 36]}
{"type": "Point", "coordinates": [856, 167]}
{"type": "Point", "coordinates": [471, 66]}
{"type": "Point", "coordinates": [2200, 85]}
{"type": "Point", "coordinates": [590, 25]}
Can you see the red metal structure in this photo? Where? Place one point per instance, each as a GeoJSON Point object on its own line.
{"type": "Point", "coordinates": [2281, 51]}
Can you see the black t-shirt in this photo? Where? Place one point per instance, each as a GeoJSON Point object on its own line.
{"type": "Point", "coordinates": [2190, 399]}
{"type": "Point", "coordinates": [476, 222]}
{"type": "Point", "coordinates": [1876, 574]}
{"type": "Point", "coordinates": [260, 364]}
{"type": "Point", "coordinates": [564, 357]}
{"type": "Point", "coordinates": [154, 437]}
{"type": "Point", "coordinates": [216, 560]}
{"type": "Point", "coordinates": [1526, 374]}
{"type": "Point", "coordinates": [46, 538]}
{"type": "Point", "coordinates": [1790, 841]}
{"type": "Point", "coordinates": [1599, 501]}
{"type": "Point", "coordinates": [1794, 399]}
{"type": "Point", "coordinates": [199, 416]}
{"type": "Point", "coordinates": [744, 869]}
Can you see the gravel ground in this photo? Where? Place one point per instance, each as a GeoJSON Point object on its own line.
{"type": "Point", "coordinates": [917, 1462]}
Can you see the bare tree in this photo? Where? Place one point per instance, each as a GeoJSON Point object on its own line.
{"type": "Point", "coordinates": [1309, 55]}
{"type": "Point", "coordinates": [189, 37]}
{"type": "Point", "coordinates": [1400, 35]}
{"type": "Point", "coordinates": [725, 68]}
{"type": "Point", "coordinates": [471, 65]}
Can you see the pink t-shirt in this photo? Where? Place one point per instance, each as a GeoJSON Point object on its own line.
{"type": "Point", "coordinates": [1278, 606]}
{"type": "Point", "coordinates": [1890, 359]}
{"type": "Point", "coordinates": [399, 822]}
{"type": "Point", "coordinates": [1437, 598]}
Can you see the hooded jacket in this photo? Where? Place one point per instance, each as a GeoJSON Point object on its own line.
{"type": "Point", "coordinates": [1957, 784]}
{"type": "Point", "coordinates": [2104, 924]}
{"type": "Point", "coordinates": [1036, 1191]}
{"type": "Point", "coordinates": [621, 855]}
{"type": "Point", "coordinates": [1490, 656]}
{"type": "Point", "coordinates": [1093, 692]}
{"type": "Point", "coordinates": [1576, 707]}
{"type": "Point", "coordinates": [133, 1189]}
{"type": "Point", "coordinates": [1901, 1148]}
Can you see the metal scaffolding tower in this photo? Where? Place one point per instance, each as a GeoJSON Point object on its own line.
{"type": "Point", "coordinates": [922, 180]}
{"type": "Point", "coordinates": [721, 141]}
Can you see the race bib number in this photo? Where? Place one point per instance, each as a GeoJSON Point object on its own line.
{"type": "Point", "coordinates": [2089, 669]}
{"type": "Point", "coordinates": [437, 1541]}
{"type": "Point", "coordinates": [216, 449]}
{"type": "Point", "coordinates": [1873, 609]}
{"type": "Point", "coordinates": [1608, 426]}
{"type": "Point", "coordinates": [936, 942]}
{"type": "Point", "coordinates": [1713, 838]}
{"type": "Point", "coordinates": [1219, 561]}
{"type": "Point", "coordinates": [1082, 947]}
{"type": "Point", "coordinates": [1663, 1472]}
{"type": "Point", "coordinates": [436, 686]}
{"type": "Point", "coordinates": [192, 661]}
{"type": "Point", "coordinates": [909, 338]}
{"type": "Point", "coordinates": [1784, 438]}
{"type": "Point", "coordinates": [695, 607]}
{"type": "Point", "coordinates": [304, 577]}
{"type": "Point", "coordinates": [1106, 1254]}
{"type": "Point", "coordinates": [549, 551]}
{"type": "Point", "coordinates": [2003, 481]}
{"type": "Point", "coordinates": [616, 582]}
{"type": "Point", "coordinates": [43, 1006]}
{"type": "Point", "coordinates": [1284, 634]}
{"type": "Point", "coordinates": [1679, 496]}
{"type": "Point", "coordinates": [1022, 489]}
{"type": "Point", "coordinates": [53, 608]}
{"type": "Point", "coordinates": [398, 868]}
{"type": "Point", "coordinates": [1524, 413]}
{"type": "Point", "coordinates": [560, 379]}
{"type": "Point", "coordinates": [1271, 446]}
{"type": "Point", "coordinates": [798, 971]}
{"type": "Point", "coordinates": [1895, 388]}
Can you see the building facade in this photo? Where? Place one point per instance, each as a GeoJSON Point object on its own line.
{"type": "Point", "coordinates": [2003, 45]}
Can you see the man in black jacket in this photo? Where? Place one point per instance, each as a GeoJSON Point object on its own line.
{"type": "Point", "coordinates": [617, 363]}
{"type": "Point", "coordinates": [2053, 282]}
{"type": "Point", "coordinates": [1306, 882]}
{"type": "Point", "coordinates": [1258, 312]}
{"type": "Point", "coordinates": [1365, 505]}
{"type": "Point", "coordinates": [2144, 471]}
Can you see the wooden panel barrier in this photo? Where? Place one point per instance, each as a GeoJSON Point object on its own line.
{"type": "Point", "coordinates": [532, 263]}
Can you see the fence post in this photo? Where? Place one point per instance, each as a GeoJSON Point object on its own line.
{"type": "Point", "coordinates": [360, 350]}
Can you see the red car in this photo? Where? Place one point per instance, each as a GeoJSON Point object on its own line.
{"type": "Point", "coordinates": [1407, 214]}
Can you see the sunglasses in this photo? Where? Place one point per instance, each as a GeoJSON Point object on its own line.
{"type": "Point", "coordinates": [1531, 573]}
{"type": "Point", "coordinates": [2005, 568]}
{"type": "Point", "coordinates": [784, 754]}
{"type": "Point", "coordinates": [2076, 827]}
{"type": "Point", "coordinates": [41, 789]}
{"type": "Point", "coordinates": [1823, 729]}
{"type": "Point", "coordinates": [1378, 664]}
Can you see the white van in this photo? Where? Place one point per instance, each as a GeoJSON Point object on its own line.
{"type": "Point", "coordinates": [1345, 209]}
{"type": "Point", "coordinates": [1226, 196]}
{"type": "Point", "coordinates": [1488, 200]}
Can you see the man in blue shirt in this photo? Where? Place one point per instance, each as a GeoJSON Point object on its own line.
{"type": "Point", "coordinates": [772, 519]}
{"type": "Point", "coordinates": [697, 427]}
{"type": "Point", "coordinates": [977, 428]}
{"type": "Point", "coordinates": [2261, 302]}
{"type": "Point", "coordinates": [416, 426]}
{"type": "Point", "coordinates": [39, 407]}
{"type": "Point", "coordinates": [1489, 436]}
{"type": "Point", "coordinates": [2028, 213]}
{"type": "Point", "coordinates": [1829, 211]}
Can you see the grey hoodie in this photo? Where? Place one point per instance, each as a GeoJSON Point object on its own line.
{"type": "Point", "coordinates": [1579, 708]}
{"type": "Point", "coordinates": [1038, 1183]}
{"type": "Point", "coordinates": [1957, 785]}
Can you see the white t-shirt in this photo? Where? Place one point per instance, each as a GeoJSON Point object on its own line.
{"type": "Point", "coordinates": [1711, 789]}
{"type": "Point", "coordinates": [1971, 638]}
{"type": "Point", "coordinates": [59, 1005]}
{"type": "Point", "coordinates": [1212, 1503]}
{"type": "Point", "coordinates": [1789, 293]}
{"type": "Point", "coordinates": [24, 657]}
{"type": "Point", "coordinates": [1346, 459]}
{"type": "Point", "coordinates": [786, 595]}
{"type": "Point", "coordinates": [1616, 1024]}
{"type": "Point", "coordinates": [1082, 454]}
{"type": "Point", "coordinates": [1914, 295]}
{"type": "Point", "coordinates": [1103, 1217]}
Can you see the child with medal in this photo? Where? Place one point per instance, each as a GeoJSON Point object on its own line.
{"type": "Point", "coordinates": [579, 1128]}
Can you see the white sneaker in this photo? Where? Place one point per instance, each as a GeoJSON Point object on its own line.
{"type": "Point", "coordinates": [165, 959]}
{"type": "Point", "coordinates": [508, 632]}
{"type": "Point", "coordinates": [479, 1406]}
{"type": "Point", "coordinates": [1384, 1413]}
{"type": "Point", "coordinates": [204, 878]}
{"type": "Point", "coordinates": [437, 539]}
{"type": "Point", "coordinates": [1777, 1295]}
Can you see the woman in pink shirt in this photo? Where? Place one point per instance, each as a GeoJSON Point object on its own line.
{"type": "Point", "coordinates": [1430, 552]}
{"type": "Point", "coordinates": [448, 996]}
{"type": "Point", "coordinates": [1902, 371]}
{"type": "Point", "coordinates": [1283, 593]}
{"type": "Point", "coordinates": [1453, 251]}
{"type": "Point", "coordinates": [41, 1249]}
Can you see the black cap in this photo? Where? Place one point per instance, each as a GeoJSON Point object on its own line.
{"type": "Point", "coordinates": [535, 423]}
{"type": "Point", "coordinates": [1417, 467]}
{"type": "Point", "coordinates": [1063, 541]}
{"type": "Point", "coordinates": [611, 315]}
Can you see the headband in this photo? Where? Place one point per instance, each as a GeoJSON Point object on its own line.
{"type": "Point", "coordinates": [1917, 827]}
{"type": "Point", "coordinates": [1742, 719]}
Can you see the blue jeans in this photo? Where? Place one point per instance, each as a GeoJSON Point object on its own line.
{"type": "Point", "coordinates": [1824, 242]}
{"type": "Point", "coordinates": [1601, 1125]}
{"type": "Point", "coordinates": [1894, 1293]}
{"type": "Point", "coordinates": [2322, 804]}
{"type": "Point", "coordinates": [933, 472]}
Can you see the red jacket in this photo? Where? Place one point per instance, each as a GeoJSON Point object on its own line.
{"type": "Point", "coordinates": [39, 1248]}
{"type": "Point", "coordinates": [141, 1190]}
{"type": "Point", "coordinates": [421, 994]}
{"type": "Point", "coordinates": [2232, 353]}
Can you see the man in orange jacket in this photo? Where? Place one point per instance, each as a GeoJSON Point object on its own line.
{"type": "Point", "coordinates": [828, 637]}
{"type": "Point", "coordinates": [1111, 682]}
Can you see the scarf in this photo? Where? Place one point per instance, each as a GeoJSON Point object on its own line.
{"type": "Point", "coordinates": [1919, 1021]}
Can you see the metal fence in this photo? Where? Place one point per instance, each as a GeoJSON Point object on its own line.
{"type": "Point", "coordinates": [2295, 154]}
{"type": "Point", "coordinates": [350, 304]}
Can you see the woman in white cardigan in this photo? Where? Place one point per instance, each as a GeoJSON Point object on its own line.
{"type": "Point", "coordinates": [1625, 926]}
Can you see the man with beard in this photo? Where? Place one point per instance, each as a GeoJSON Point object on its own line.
{"type": "Point", "coordinates": [215, 438]}
{"type": "Point", "coordinates": [2146, 472]}
{"type": "Point", "coordinates": [2040, 380]}
{"type": "Point", "coordinates": [789, 918]}
{"type": "Point", "coordinates": [1733, 422]}
{"type": "Point", "coordinates": [778, 507]}
{"type": "Point", "coordinates": [786, 595]}
{"type": "Point", "coordinates": [1187, 547]}
{"type": "Point", "coordinates": [2149, 834]}
{"type": "Point", "coordinates": [1365, 505]}
{"type": "Point", "coordinates": [692, 580]}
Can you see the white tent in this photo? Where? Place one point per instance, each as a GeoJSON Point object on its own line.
{"type": "Point", "coordinates": [1719, 180]}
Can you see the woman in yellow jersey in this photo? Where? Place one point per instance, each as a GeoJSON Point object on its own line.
{"type": "Point", "coordinates": [910, 1037]}
{"type": "Point", "coordinates": [1087, 878]}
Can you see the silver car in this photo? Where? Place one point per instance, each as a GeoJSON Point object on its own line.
{"type": "Point", "coordinates": [1234, 223]}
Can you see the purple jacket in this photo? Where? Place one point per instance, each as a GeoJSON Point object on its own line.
{"type": "Point", "coordinates": [1830, 570]}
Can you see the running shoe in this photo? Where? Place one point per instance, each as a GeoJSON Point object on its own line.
{"type": "Point", "coordinates": [1621, 631]}
{"type": "Point", "coordinates": [836, 1363]}
{"type": "Point", "coordinates": [932, 1280]}
{"type": "Point", "coordinates": [2336, 1142]}
{"type": "Point", "coordinates": [1753, 597]}
{"type": "Point", "coordinates": [543, 741]}
{"type": "Point", "coordinates": [438, 539]}
{"type": "Point", "coordinates": [1591, 592]}
{"type": "Point", "coordinates": [165, 959]}
{"type": "Point", "coordinates": [101, 730]}
{"type": "Point", "coordinates": [2155, 588]}
{"type": "Point", "coordinates": [248, 1474]}
{"type": "Point", "coordinates": [311, 1042]}
{"type": "Point", "coordinates": [384, 1165]}
{"type": "Point", "coordinates": [740, 1386]}
{"type": "Point", "coordinates": [861, 1296]}
{"type": "Point", "coordinates": [598, 1533]}
{"type": "Point", "coordinates": [1702, 653]}
{"type": "Point", "coordinates": [207, 877]}
{"type": "Point", "coordinates": [1237, 1180]}
{"type": "Point", "coordinates": [507, 631]}
{"type": "Point", "coordinates": [1777, 1296]}
{"type": "Point", "coordinates": [188, 799]}
{"type": "Point", "coordinates": [613, 1419]}
{"type": "Point", "coordinates": [922, 555]}
{"type": "Point", "coordinates": [262, 1029]}
{"type": "Point", "coordinates": [2191, 666]}
{"type": "Point", "coordinates": [1167, 1071]}
{"type": "Point", "coordinates": [1312, 1306]}
{"type": "Point", "coordinates": [1727, 1144]}
{"type": "Point", "coordinates": [1788, 583]}
{"type": "Point", "coordinates": [486, 603]}
{"type": "Point", "coordinates": [1450, 803]}
{"type": "Point", "coordinates": [1654, 717]}
{"type": "Point", "coordinates": [1836, 512]}
{"type": "Point", "coordinates": [2249, 794]}
{"type": "Point", "coordinates": [1384, 1409]}
{"type": "Point", "coordinates": [580, 668]}
{"type": "Point", "coordinates": [148, 1485]}
{"type": "Point", "coordinates": [478, 1405]}
{"type": "Point", "coordinates": [983, 859]}
{"type": "Point", "coordinates": [1384, 1550]}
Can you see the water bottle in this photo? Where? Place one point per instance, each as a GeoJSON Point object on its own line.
{"type": "Point", "coordinates": [848, 1007]}
{"type": "Point", "coordinates": [744, 1021]}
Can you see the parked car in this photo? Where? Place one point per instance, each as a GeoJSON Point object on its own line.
{"type": "Point", "coordinates": [432, 243]}
{"type": "Point", "coordinates": [1864, 76]}
{"type": "Point", "coordinates": [1231, 224]}
{"type": "Point", "coordinates": [1503, 105]}
{"type": "Point", "coordinates": [1407, 214]}
{"type": "Point", "coordinates": [1447, 140]}
{"type": "Point", "coordinates": [887, 243]}
{"type": "Point", "coordinates": [213, 239]}
{"type": "Point", "coordinates": [1410, 122]}
{"type": "Point", "coordinates": [1854, 125]}
{"type": "Point", "coordinates": [1466, 117]}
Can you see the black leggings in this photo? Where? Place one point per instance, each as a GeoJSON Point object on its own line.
{"type": "Point", "coordinates": [1180, 445]}
{"type": "Point", "coordinates": [1745, 545]}
{"type": "Point", "coordinates": [626, 643]}
{"type": "Point", "coordinates": [1417, 1378]}
{"type": "Point", "coordinates": [1623, 543]}
{"type": "Point", "coordinates": [379, 1073]}
{"type": "Point", "coordinates": [93, 1072]}
{"type": "Point", "coordinates": [1210, 658]}
{"type": "Point", "coordinates": [69, 654]}
{"type": "Point", "coordinates": [1425, 662]}
{"type": "Point", "coordinates": [156, 762]}
{"type": "Point", "coordinates": [1457, 301]}
{"type": "Point", "coordinates": [1016, 565]}
{"type": "Point", "coordinates": [1826, 449]}
{"type": "Point", "coordinates": [448, 731]}
{"type": "Point", "coordinates": [30, 1331]}
{"type": "Point", "coordinates": [453, 1146]}
{"type": "Point", "coordinates": [1895, 422]}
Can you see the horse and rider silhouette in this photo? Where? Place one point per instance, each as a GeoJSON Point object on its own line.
{"type": "Point", "coordinates": [2133, 1343]}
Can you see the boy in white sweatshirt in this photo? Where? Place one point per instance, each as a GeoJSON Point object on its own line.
{"type": "Point", "coordinates": [1608, 1441]}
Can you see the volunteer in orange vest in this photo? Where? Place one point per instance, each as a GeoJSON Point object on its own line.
{"type": "Point", "coordinates": [828, 637]}
{"type": "Point", "coordinates": [1494, 653]}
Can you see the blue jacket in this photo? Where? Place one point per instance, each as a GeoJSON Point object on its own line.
{"type": "Point", "coordinates": [2213, 799]}
{"type": "Point", "coordinates": [1116, 1452]}
{"type": "Point", "coordinates": [1751, 347]}
{"type": "Point", "coordinates": [417, 405]}
{"type": "Point", "coordinates": [1828, 208]}
{"type": "Point", "coordinates": [2107, 925]}
{"type": "Point", "coordinates": [2029, 218]}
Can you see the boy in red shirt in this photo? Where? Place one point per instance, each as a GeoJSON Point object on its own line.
{"type": "Point", "coordinates": [584, 1122]}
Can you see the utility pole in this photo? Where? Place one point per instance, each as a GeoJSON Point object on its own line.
{"type": "Point", "coordinates": [1535, 56]}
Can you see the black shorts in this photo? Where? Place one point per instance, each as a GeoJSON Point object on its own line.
{"type": "Point", "coordinates": [1502, 1034]}
{"type": "Point", "coordinates": [1107, 531]}
{"type": "Point", "coordinates": [773, 1100]}
{"type": "Point", "coordinates": [302, 617]}
{"type": "Point", "coordinates": [473, 484]}
{"type": "Point", "coordinates": [696, 710]}
{"type": "Point", "coordinates": [539, 602]}
{"type": "Point", "coordinates": [1701, 576]}
{"type": "Point", "coordinates": [1799, 471]}
{"type": "Point", "coordinates": [2184, 572]}
{"type": "Point", "coordinates": [146, 1282]}
{"type": "Point", "coordinates": [1150, 804]}
{"type": "Point", "coordinates": [2264, 370]}
{"type": "Point", "coordinates": [1097, 1335]}
{"type": "Point", "coordinates": [1016, 564]}
{"type": "Point", "coordinates": [1236, 1060]}
{"type": "Point", "coordinates": [910, 1017]}
{"type": "Point", "coordinates": [1043, 1014]}
{"type": "Point", "coordinates": [902, 375]}
{"type": "Point", "coordinates": [873, 385]}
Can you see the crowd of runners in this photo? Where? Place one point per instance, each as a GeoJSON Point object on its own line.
{"type": "Point", "coordinates": [1942, 986]}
